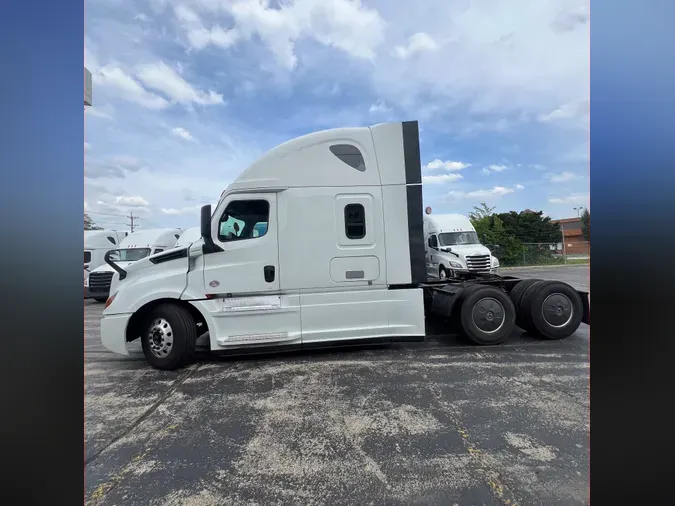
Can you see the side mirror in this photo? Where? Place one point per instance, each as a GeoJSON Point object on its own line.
{"type": "Point", "coordinates": [205, 226]}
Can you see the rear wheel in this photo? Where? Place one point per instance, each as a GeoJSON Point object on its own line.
{"type": "Point", "coordinates": [523, 315]}
{"type": "Point", "coordinates": [100, 299]}
{"type": "Point", "coordinates": [168, 337]}
{"type": "Point", "coordinates": [487, 315]}
{"type": "Point", "coordinates": [554, 309]}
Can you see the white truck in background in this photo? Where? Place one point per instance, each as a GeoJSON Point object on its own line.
{"type": "Point", "coordinates": [188, 236]}
{"type": "Point", "coordinates": [132, 248]}
{"type": "Point", "coordinates": [338, 258]}
{"type": "Point", "coordinates": [96, 244]}
{"type": "Point", "coordinates": [453, 249]}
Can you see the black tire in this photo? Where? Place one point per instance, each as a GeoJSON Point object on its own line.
{"type": "Point", "coordinates": [442, 270]}
{"type": "Point", "coordinates": [177, 345]}
{"type": "Point", "coordinates": [554, 309]}
{"type": "Point", "coordinates": [518, 291]}
{"type": "Point", "coordinates": [487, 315]}
{"type": "Point", "coordinates": [523, 317]}
{"type": "Point", "coordinates": [99, 299]}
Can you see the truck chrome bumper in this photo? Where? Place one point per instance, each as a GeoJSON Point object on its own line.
{"type": "Point", "coordinates": [114, 333]}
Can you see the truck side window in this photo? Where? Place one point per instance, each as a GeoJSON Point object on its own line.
{"type": "Point", "coordinates": [433, 241]}
{"type": "Point", "coordinates": [350, 155]}
{"type": "Point", "coordinates": [355, 221]}
{"type": "Point", "coordinates": [241, 218]}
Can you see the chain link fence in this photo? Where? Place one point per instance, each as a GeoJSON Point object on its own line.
{"type": "Point", "coordinates": [543, 253]}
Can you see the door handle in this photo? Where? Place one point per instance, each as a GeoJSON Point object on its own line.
{"type": "Point", "coordinates": [268, 271]}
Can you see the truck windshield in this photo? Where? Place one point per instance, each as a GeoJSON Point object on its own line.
{"type": "Point", "coordinates": [130, 255]}
{"type": "Point", "coordinates": [458, 238]}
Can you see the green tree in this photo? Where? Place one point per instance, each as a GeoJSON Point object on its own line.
{"type": "Point", "coordinates": [481, 211]}
{"type": "Point", "coordinates": [89, 223]}
{"type": "Point", "coordinates": [531, 226]}
{"type": "Point", "coordinates": [491, 231]}
{"type": "Point", "coordinates": [586, 224]}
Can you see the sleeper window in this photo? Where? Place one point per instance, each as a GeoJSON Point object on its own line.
{"type": "Point", "coordinates": [350, 155]}
{"type": "Point", "coordinates": [355, 221]}
{"type": "Point", "coordinates": [244, 219]}
{"type": "Point", "coordinates": [87, 257]}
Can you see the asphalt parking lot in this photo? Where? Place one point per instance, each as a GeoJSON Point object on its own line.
{"type": "Point", "coordinates": [439, 422]}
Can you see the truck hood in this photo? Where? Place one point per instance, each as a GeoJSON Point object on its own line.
{"type": "Point", "coordinates": [468, 250]}
{"type": "Point", "coordinates": [159, 265]}
{"type": "Point", "coordinates": [107, 268]}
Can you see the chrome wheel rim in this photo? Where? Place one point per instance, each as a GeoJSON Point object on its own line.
{"type": "Point", "coordinates": [160, 338]}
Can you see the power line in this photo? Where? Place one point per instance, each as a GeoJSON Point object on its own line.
{"type": "Point", "coordinates": [107, 214]}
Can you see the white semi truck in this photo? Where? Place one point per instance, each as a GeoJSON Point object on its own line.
{"type": "Point", "coordinates": [452, 247]}
{"type": "Point", "coordinates": [132, 248]}
{"type": "Point", "coordinates": [96, 244]}
{"type": "Point", "coordinates": [338, 259]}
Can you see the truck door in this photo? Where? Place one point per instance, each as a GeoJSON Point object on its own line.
{"type": "Point", "coordinates": [247, 233]}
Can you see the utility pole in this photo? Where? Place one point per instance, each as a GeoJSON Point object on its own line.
{"type": "Point", "coordinates": [131, 225]}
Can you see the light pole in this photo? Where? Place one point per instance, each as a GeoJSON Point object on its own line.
{"type": "Point", "coordinates": [578, 210]}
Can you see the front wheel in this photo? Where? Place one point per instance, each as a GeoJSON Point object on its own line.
{"type": "Point", "coordinates": [100, 299]}
{"type": "Point", "coordinates": [168, 337]}
{"type": "Point", "coordinates": [442, 273]}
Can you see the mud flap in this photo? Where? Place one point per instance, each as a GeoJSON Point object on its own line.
{"type": "Point", "coordinates": [586, 303]}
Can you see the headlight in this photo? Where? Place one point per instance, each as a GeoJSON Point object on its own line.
{"type": "Point", "coordinates": [495, 263]}
{"type": "Point", "coordinates": [456, 265]}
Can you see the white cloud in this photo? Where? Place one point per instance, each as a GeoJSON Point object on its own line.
{"type": "Point", "coordinates": [344, 24]}
{"type": "Point", "coordinates": [182, 210]}
{"type": "Point", "coordinates": [418, 43]}
{"type": "Point", "coordinates": [127, 88]}
{"type": "Point", "coordinates": [142, 17]}
{"type": "Point", "coordinates": [577, 109]}
{"type": "Point", "coordinates": [564, 177]}
{"type": "Point", "coordinates": [574, 198]}
{"type": "Point", "coordinates": [440, 165]}
{"type": "Point", "coordinates": [494, 168]}
{"type": "Point", "coordinates": [494, 60]}
{"type": "Point", "coordinates": [519, 187]}
{"type": "Point", "coordinates": [199, 36]}
{"type": "Point", "coordinates": [182, 133]}
{"type": "Point", "coordinates": [103, 112]}
{"type": "Point", "coordinates": [496, 191]}
{"type": "Point", "coordinates": [379, 107]}
{"type": "Point", "coordinates": [161, 77]}
{"type": "Point", "coordinates": [131, 201]}
{"type": "Point", "coordinates": [441, 178]}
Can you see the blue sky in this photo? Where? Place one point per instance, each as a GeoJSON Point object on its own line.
{"type": "Point", "coordinates": [188, 92]}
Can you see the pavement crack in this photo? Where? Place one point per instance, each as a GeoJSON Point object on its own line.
{"type": "Point", "coordinates": [177, 383]}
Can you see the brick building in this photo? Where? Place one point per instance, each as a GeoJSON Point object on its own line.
{"type": "Point", "coordinates": [575, 243]}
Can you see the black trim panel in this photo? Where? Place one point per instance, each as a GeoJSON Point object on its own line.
{"type": "Point", "coordinates": [170, 255]}
{"type": "Point", "coordinates": [418, 267]}
{"type": "Point", "coordinates": [413, 179]}
{"type": "Point", "coordinates": [411, 152]}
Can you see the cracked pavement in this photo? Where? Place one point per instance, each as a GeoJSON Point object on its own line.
{"type": "Point", "coordinates": [439, 422]}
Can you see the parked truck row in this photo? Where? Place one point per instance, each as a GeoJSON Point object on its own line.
{"type": "Point", "coordinates": [323, 241]}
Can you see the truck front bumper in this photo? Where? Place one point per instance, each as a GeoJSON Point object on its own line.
{"type": "Point", "coordinates": [114, 333]}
